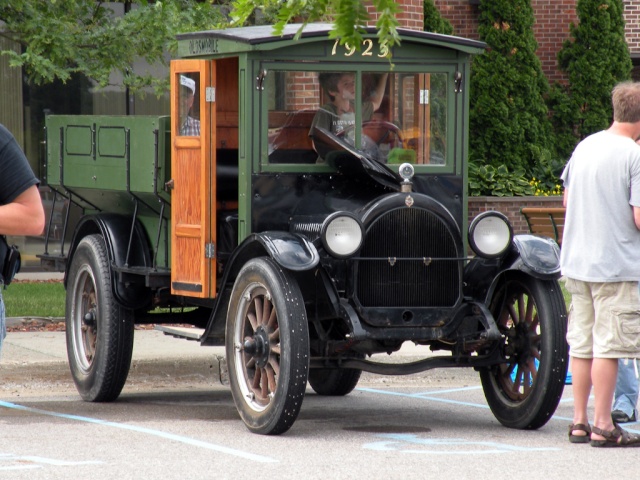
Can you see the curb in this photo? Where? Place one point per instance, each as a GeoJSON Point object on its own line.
{"type": "Point", "coordinates": [213, 370]}
{"type": "Point", "coordinates": [17, 321]}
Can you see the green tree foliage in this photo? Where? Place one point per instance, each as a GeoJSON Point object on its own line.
{"type": "Point", "coordinates": [433, 21]}
{"type": "Point", "coordinates": [595, 58]}
{"type": "Point", "coordinates": [349, 17]}
{"type": "Point", "coordinates": [508, 119]}
{"type": "Point", "coordinates": [61, 38]}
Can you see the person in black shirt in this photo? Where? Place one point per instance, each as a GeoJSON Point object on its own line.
{"type": "Point", "coordinates": [21, 210]}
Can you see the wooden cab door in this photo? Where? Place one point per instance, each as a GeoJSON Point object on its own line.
{"type": "Point", "coordinates": [193, 163]}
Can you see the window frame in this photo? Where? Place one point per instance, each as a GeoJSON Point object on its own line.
{"type": "Point", "coordinates": [453, 105]}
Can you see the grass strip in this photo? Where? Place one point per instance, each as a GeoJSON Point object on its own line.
{"type": "Point", "coordinates": [34, 299]}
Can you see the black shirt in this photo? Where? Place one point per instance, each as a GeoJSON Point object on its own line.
{"type": "Point", "coordinates": [16, 175]}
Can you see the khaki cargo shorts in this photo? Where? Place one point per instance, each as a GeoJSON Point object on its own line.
{"type": "Point", "coordinates": [604, 319]}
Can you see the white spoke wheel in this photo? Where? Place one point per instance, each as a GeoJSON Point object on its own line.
{"type": "Point", "coordinates": [267, 347]}
{"type": "Point", "coordinates": [99, 330]}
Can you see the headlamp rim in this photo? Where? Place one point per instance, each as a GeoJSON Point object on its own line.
{"type": "Point", "coordinates": [325, 225]}
{"type": "Point", "coordinates": [474, 224]}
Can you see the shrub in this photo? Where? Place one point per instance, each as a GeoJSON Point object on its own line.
{"type": "Point", "coordinates": [433, 21]}
{"type": "Point", "coordinates": [508, 119]}
{"type": "Point", "coordinates": [595, 58]}
{"type": "Point", "coordinates": [487, 180]}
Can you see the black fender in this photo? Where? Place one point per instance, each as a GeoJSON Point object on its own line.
{"type": "Point", "coordinates": [289, 250]}
{"type": "Point", "coordinates": [116, 231]}
{"type": "Point", "coordinates": [537, 256]}
{"type": "Point", "coordinates": [531, 254]}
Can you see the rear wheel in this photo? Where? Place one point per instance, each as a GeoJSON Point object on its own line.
{"type": "Point", "coordinates": [99, 330]}
{"type": "Point", "coordinates": [525, 391]}
{"type": "Point", "coordinates": [334, 382]}
{"type": "Point", "coordinates": [267, 347]}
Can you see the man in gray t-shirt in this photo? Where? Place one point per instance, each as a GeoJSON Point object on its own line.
{"type": "Point", "coordinates": [600, 260]}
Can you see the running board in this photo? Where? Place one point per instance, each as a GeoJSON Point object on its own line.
{"type": "Point", "coordinates": [182, 332]}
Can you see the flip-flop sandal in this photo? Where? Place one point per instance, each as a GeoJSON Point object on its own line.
{"type": "Point", "coordinates": [617, 437]}
{"type": "Point", "coordinates": [579, 438]}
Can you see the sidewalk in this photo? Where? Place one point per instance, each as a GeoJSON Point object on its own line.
{"type": "Point", "coordinates": [41, 354]}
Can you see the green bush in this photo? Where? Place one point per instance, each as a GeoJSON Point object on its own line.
{"type": "Point", "coordinates": [487, 180]}
{"type": "Point", "coordinates": [595, 58]}
{"type": "Point", "coordinates": [546, 176]}
{"type": "Point", "coordinates": [509, 118]}
{"type": "Point", "coordinates": [433, 21]}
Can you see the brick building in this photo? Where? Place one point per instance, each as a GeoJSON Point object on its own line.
{"type": "Point", "coordinates": [551, 28]}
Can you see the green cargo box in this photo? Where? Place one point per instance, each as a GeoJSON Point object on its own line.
{"type": "Point", "coordinates": [106, 162]}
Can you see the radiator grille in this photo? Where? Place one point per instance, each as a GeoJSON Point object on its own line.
{"type": "Point", "coordinates": [408, 235]}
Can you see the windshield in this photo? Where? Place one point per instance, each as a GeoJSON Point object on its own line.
{"type": "Point", "coordinates": [391, 118]}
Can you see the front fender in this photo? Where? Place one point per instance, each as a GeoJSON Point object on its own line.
{"type": "Point", "coordinates": [530, 254]}
{"type": "Point", "coordinates": [538, 256]}
{"type": "Point", "coordinates": [289, 250]}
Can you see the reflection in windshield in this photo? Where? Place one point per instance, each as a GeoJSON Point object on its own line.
{"type": "Point", "coordinates": [403, 116]}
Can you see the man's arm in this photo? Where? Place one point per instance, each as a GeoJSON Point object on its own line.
{"type": "Point", "coordinates": [23, 216]}
{"type": "Point", "coordinates": [378, 94]}
{"type": "Point", "coordinates": [636, 216]}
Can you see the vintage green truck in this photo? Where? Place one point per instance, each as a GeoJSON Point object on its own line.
{"type": "Point", "coordinates": [304, 205]}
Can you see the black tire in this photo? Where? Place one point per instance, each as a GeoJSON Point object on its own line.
{"type": "Point", "coordinates": [532, 316]}
{"type": "Point", "coordinates": [334, 382]}
{"type": "Point", "coordinates": [99, 330]}
{"type": "Point", "coordinates": [267, 347]}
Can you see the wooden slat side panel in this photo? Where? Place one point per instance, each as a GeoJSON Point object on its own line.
{"type": "Point", "coordinates": [188, 246]}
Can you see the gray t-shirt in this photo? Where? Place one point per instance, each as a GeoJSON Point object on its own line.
{"type": "Point", "coordinates": [600, 242]}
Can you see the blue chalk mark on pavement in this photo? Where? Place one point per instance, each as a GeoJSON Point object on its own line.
{"type": "Point", "coordinates": [148, 431]}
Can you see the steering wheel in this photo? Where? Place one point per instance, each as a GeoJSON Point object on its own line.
{"type": "Point", "coordinates": [379, 131]}
{"type": "Point", "coordinates": [339, 152]}
{"type": "Point", "coordinates": [379, 137]}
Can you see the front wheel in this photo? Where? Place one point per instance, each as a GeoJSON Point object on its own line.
{"type": "Point", "coordinates": [267, 347]}
{"type": "Point", "coordinates": [99, 330]}
{"type": "Point", "coordinates": [525, 391]}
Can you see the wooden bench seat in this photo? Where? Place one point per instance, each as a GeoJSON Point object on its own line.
{"type": "Point", "coordinates": [546, 221]}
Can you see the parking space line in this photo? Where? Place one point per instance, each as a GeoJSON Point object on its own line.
{"type": "Point", "coordinates": [148, 431]}
{"type": "Point", "coordinates": [430, 396]}
{"type": "Point", "coordinates": [451, 390]}
{"type": "Point", "coordinates": [30, 462]}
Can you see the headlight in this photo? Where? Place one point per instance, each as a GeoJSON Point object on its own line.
{"type": "Point", "coordinates": [490, 234]}
{"type": "Point", "coordinates": [342, 234]}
